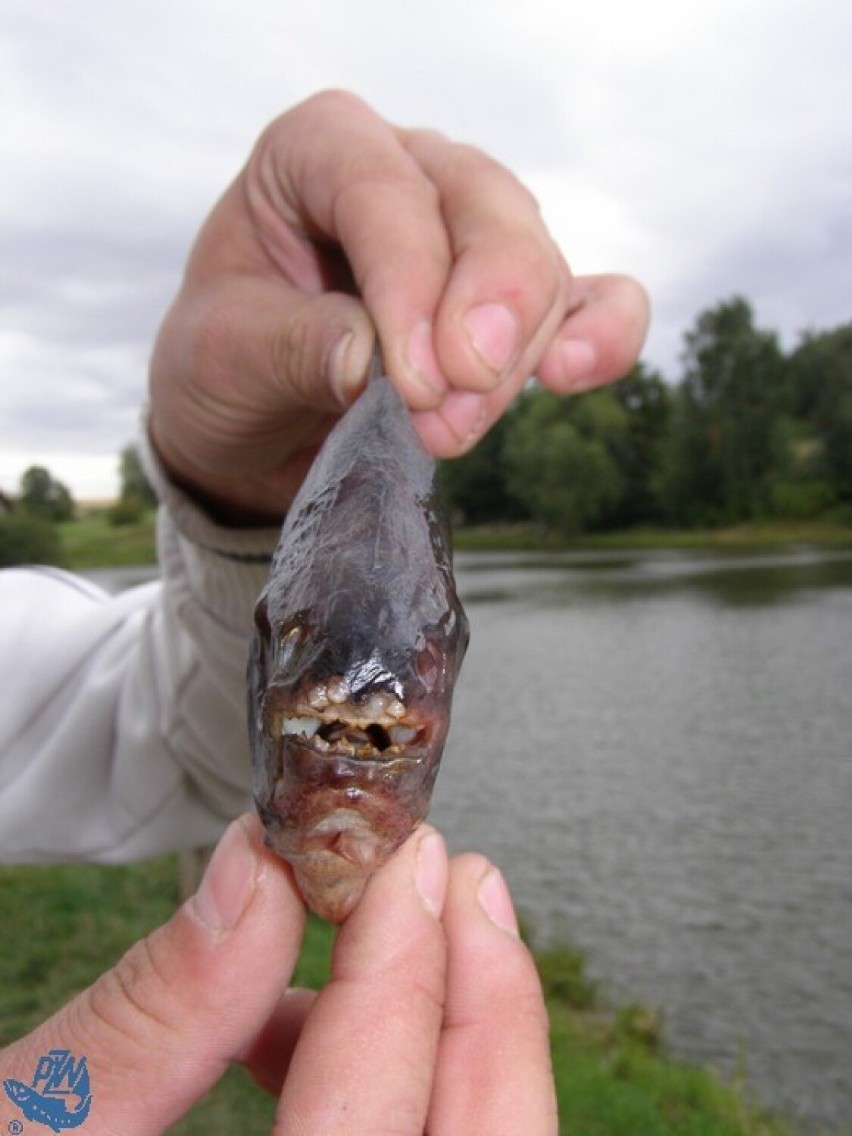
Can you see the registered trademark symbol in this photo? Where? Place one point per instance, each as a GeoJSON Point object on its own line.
{"type": "Point", "coordinates": [15, 1127]}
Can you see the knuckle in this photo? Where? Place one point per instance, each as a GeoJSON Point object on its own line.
{"type": "Point", "coordinates": [132, 1004]}
{"type": "Point", "coordinates": [211, 337]}
{"type": "Point", "coordinates": [292, 354]}
{"type": "Point", "coordinates": [330, 104]}
{"type": "Point", "coordinates": [334, 101]}
{"type": "Point", "coordinates": [379, 176]}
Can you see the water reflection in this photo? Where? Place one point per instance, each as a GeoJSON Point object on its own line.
{"type": "Point", "coordinates": [567, 578]}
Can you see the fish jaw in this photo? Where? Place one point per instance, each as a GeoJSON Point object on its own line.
{"type": "Point", "coordinates": [337, 807]}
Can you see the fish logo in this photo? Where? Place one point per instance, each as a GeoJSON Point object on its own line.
{"type": "Point", "coordinates": [58, 1078]}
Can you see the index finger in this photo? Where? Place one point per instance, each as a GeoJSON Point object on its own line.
{"type": "Point", "coordinates": [493, 1073]}
{"type": "Point", "coordinates": [366, 1055]}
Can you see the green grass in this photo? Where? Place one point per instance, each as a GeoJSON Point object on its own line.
{"type": "Point", "coordinates": [769, 536]}
{"type": "Point", "coordinates": [93, 542]}
{"type": "Point", "coordinates": [61, 926]}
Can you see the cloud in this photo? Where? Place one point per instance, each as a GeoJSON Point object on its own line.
{"type": "Point", "coordinates": [707, 148]}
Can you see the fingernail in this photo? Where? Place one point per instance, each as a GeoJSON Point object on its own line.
{"type": "Point", "coordinates": [579, 359]}
{"type": "Point", "coordinates": [496, 902]}
{"type": "Point", "coordinates": [466, 415]}
{"type": "Point", "coordinates": [422, 358]}
{"type": "Point", "coordinates": [430, 873]}
{"type": "Point", "coordinates": [348, 361]}
{"type": "Point", "coordinates": [227, 885]}
{"type": "Point", "coordinates": [493, 331]}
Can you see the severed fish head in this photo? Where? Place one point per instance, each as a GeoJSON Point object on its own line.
{"type": "Point", "coordinates": [359, 638]}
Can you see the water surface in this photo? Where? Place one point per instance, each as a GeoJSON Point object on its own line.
{"type": "Point", "coordinates": [656, 748]}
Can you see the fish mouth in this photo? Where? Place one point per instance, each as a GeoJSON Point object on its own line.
{"type": "Point", "coordinates": [330, 721]}
{"type": "Point", "coordinates": [347, 777]}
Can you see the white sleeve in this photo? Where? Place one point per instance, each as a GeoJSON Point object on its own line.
{"type": "Point", "coordinates": [123, 719]}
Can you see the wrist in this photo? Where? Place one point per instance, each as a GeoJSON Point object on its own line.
{"type": "Point", "coordinates": [230, 501]}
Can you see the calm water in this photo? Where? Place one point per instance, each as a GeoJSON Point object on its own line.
{"type": "Point", "coordinates": [657, 749]}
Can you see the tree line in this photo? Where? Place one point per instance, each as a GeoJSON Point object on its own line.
{"type": "Point", "coordinates": [28, 522]}
{"type": "Point", "coordinates": [747, 433]}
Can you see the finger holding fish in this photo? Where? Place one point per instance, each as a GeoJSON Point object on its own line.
{"type": "Point", "coordinates": [433, 1018]}
{"type": "Point", "coordinates": [380, 1014]}
{"type": "Point", "coordinates": [495, 1024]}
{"type": "Point", "coordinates": [341, 225]}
{"type": "Point", "coordinates": [596, 342]}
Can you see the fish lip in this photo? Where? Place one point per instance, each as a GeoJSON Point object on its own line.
{"type": "Point", "coordinates": [347, 835]}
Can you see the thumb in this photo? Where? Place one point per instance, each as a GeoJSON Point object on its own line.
{"type": "Point", "coordinates": [159, 1029]}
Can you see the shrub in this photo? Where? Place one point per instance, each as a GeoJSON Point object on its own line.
{"type": "Point", "coordinates": [128, 511]}
{"type": "Point", "coordinates": [28, 540]}
{"type": "Point", "coordinates": [801, 499]}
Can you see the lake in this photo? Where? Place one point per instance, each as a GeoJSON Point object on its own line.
{"type": "Point", "coordinates": [657, 750]}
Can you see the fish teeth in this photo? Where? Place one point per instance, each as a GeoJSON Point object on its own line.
{"type": "Point", "coordinates": [402, 735]}
{"type": "Point", "coordinates": [318, 699]}
{"type": "Point", "coordinates": [338, 691]}
{"type": "Point", "coordinates": [304, 727]}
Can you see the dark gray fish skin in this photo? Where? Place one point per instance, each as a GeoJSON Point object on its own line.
{"type": "Point", "coordinates": [359, 639]}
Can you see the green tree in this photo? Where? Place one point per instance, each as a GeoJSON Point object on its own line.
{"type": "Point", "coordinates": [28, 540]}
{"type": "Point", "coordinates": [134, 484]}
{"type": "Point", "coordinates": [43, 496]}
{"type": "Point", "coordinates": [558, 462]}
{"type": "Point", "coordinates": [648, 403]}
{"type": "Point", "coordinates": [821, 369]}
{"type": "Point", "coordinates": [475, 484]}
{"type": "Point", "coordinates": [728, 424]}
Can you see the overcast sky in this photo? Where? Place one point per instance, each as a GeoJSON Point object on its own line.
{"type": "Point", "coordinates": [704, 145]}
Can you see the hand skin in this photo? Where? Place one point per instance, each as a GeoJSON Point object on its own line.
{"type": "Point", "coordinates": [433, 1019]}
{"type": "Point", "coordinates": [340, 226]}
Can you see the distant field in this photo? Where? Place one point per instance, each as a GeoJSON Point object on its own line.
{"type": "Point", "coordinates": [94, 542]}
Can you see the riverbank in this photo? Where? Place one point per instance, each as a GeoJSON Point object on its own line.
{"type": "Point", "coordinates": [769, 536]}
{"type": "Point", "coordinates": [61, 926]}
{"type": "Point", "coordinates": [94, 542]}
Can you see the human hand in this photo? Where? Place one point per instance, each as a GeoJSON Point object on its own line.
{"type": "Point", "coordinates": [341, 225]}
{"type": "Point", "coordinates": [433, 1018]}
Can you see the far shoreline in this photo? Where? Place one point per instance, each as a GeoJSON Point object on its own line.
{"type": "Point", "coordinates": [93, 541]}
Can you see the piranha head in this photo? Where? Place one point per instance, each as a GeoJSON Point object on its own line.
{"type": "Point", "coordinates": [348, 738]}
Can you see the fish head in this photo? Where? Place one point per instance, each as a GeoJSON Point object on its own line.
{"type": "Point", "coordinates": [350, 721]}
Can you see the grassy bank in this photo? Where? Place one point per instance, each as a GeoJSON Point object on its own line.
{"type": "Point", "coordinates": [61, 926]}
{"type": "Point", "coordinates": [93, 542]}
{"type": "Point", "coordinates": [770, 536]}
